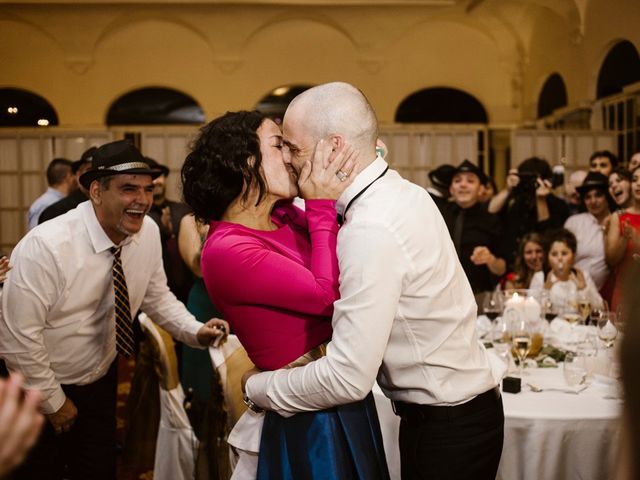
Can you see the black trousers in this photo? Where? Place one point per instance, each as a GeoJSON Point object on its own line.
{"type": "Point", "coordinates": [435, 445]}
{"type": "Point", "coordinates": [88, 450]}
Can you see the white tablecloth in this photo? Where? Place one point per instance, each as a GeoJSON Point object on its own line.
{"type": "Point", "coordinates": [555, 435]}
{"type": "Point", "coordinates": [548, 435]}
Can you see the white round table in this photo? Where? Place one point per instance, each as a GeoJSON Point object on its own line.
{"type": "Point", "coordinates": [555, 435]}
{"type": "Point", "coordinates": [548, 435]}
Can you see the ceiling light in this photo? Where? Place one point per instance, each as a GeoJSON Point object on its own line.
{"type": "Point", "coordinates": [281, 91]}
{"type": "Point", "coordinates": [43, 122]}
{"type": "Point", "coordinates": [12, 110]}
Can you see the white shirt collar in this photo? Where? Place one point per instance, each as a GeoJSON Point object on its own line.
{"type": "Point", "coordinates": [362, 181]}
{"type": "Point", "coordinates": [97, 235]}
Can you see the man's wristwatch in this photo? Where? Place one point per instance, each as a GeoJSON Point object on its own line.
{"type": "Point", "coordinates": [251, 405]}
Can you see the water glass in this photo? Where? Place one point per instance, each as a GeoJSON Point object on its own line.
{"type": "Point", "coordinates": [574, 369]}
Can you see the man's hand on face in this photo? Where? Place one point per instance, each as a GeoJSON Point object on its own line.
{"type": "Point", "coordinates": [329, 172]}
{"type": "Point", "coordinates": [213, 333]}
{"type": "Point", "coordinates": [63, 419]}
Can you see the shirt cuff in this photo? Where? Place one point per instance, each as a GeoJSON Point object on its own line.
{"type": "Point", "coordinates": [256, 389]}
{"type": "Point", "coordinates": [53, 403]}
{"type": "Point", "coordinates": [190, 334]}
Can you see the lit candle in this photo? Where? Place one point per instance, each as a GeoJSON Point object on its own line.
{"type": "Point", "coordinates": [532, 309]}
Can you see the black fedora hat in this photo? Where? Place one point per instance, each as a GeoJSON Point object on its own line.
{"type": "Point", "coordinates": [467, 167]}
{"type": "Point", "coordinates": [117, 158]}
{"type": "Point", "coordinates": [163, 169]}
{"type": "Point", "coordinates": [441, 176]}
{"type": "Point", "coordinates": [594, 180]}
{"type": "Point", "coordinates": [87, 157]}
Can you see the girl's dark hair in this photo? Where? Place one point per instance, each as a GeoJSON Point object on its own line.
{"type": "Point", "coordinates": [623, 173]}
{"type": "Point", "coordinates": [224, 162]}
{"type": "Point", "coordinates": [522, 271]}
{"type": "Point", "coordinates": [560, 235]}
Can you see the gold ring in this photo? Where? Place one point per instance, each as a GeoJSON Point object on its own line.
{"type": "Point", "coordinates": [341, 175]}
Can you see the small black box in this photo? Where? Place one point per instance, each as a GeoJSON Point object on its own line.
{"type": "Point", "coordinates": [511, 384]}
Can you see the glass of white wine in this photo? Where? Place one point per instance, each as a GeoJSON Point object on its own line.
{"type": "Point", "coordinates": [584, 307]}
{"type": "Point", "coordinates": [571, 314]}
{"type": "Point", "coordinates": [520, 342]}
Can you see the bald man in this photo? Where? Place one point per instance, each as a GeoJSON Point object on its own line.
{"type": "Point", "coordinates": [406, 315]}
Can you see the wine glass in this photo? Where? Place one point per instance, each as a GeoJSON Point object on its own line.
{"type": "Point", "coordinates": [584, 306]}
{"type": "Point", "coordinates": [574, 369]}
{"type": "Point", "coordinates": [492, 305]}
{"type": "Point", "coordinates": [597, 312]}
{"type": "Point", "coordinates": [607, 331]}
{"type": "Point", "coordinates": [571, 314]}
{"type": "Point", "coordinates": [501, 339]}
{"type": "Point", "coordinates": [548, 308]}
{"type": "Point", "coordinates": [520, 341]}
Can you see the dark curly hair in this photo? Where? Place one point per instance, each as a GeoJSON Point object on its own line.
{"type": "Point", "coordinates": [560, 235]}
{"type": "Point", "coordinates": [223, 160]}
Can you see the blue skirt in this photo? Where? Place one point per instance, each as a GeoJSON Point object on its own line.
{"type": "Point", "coordinates": [341, 443]}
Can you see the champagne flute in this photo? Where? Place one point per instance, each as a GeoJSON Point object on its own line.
{"type": "Point", "coordinates": [571, 314]}
{"type": "Point", "coordinates": [521, 342]}
{"type": "Point", "coordinates": [584, 307]}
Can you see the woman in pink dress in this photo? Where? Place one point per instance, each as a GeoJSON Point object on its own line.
{"type": "Point", "coordinates": [623, 239]}
{"type": "Point", "coordinates": [271, 269]}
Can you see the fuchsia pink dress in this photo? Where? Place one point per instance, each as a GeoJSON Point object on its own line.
{"type": "Point", "coordinates": [276, 289]}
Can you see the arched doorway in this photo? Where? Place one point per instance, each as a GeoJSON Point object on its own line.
{"type": "Point", "coordinates": [552, 96]}
{"type": "Point", "coordinates": [21, 108]}
{"type": "Point", "coordinates": [155, 106]}
{"type": "Point", "coordinates": [620, 67]}
{"type": "Point", "coordinates": [441, 105]}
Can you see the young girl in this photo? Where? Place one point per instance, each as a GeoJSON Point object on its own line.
{"type": "Point", "coordinates": [565, 281]}
{"type": "Point", "coordinates": [530, 260]}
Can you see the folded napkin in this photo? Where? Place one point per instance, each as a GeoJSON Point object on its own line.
{"type": "Point", "coordinates": [483, 325]}
{"type": "Point", "coordinates": [607, 387]}
{"type": "Point", "coordinates": [555, 386]}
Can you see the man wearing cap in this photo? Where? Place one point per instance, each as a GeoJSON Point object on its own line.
{"type": "Point", "coordinates": [588, 227]}
{"type": "Point", "coordinates": [440, 178]}
{"type": "Point", "coordinates": [77, 196]}
{"type": "Point", "coordinates": [168, 214]}
{"type": "Point", "coordinates": [66, 312]}
{"type": "Point", "coordinates": [476, 233]}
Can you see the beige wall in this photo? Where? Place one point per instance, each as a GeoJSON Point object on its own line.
{"type": "Point", "coordinates": [83, 55]}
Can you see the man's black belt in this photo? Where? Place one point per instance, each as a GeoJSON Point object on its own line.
{"type": "Point", "coordinates": [414, 412]}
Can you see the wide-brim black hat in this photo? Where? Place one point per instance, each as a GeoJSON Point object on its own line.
{"type": "Point", "coordinates": [87, 157]}
{"type": "Point", "coordinates": [593, 180]}
{"type": "Point", "coordinates": [117, 158]}
{"type": "Point", "coordinates": [441, 176]}
{"type": "Point", "coordinates": [467, 167]}
{"type": "Point", "coordinates": [163, 169]}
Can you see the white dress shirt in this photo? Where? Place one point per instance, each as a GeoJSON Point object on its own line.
{"type": "Point", "coordinates": [58, 319]}
{"type": "Point", "coordinates": [49, 197]}
{"type": "Point", "coordinates": [590, 249]}
{"type": "Point", "coordinates": [406, 314]}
